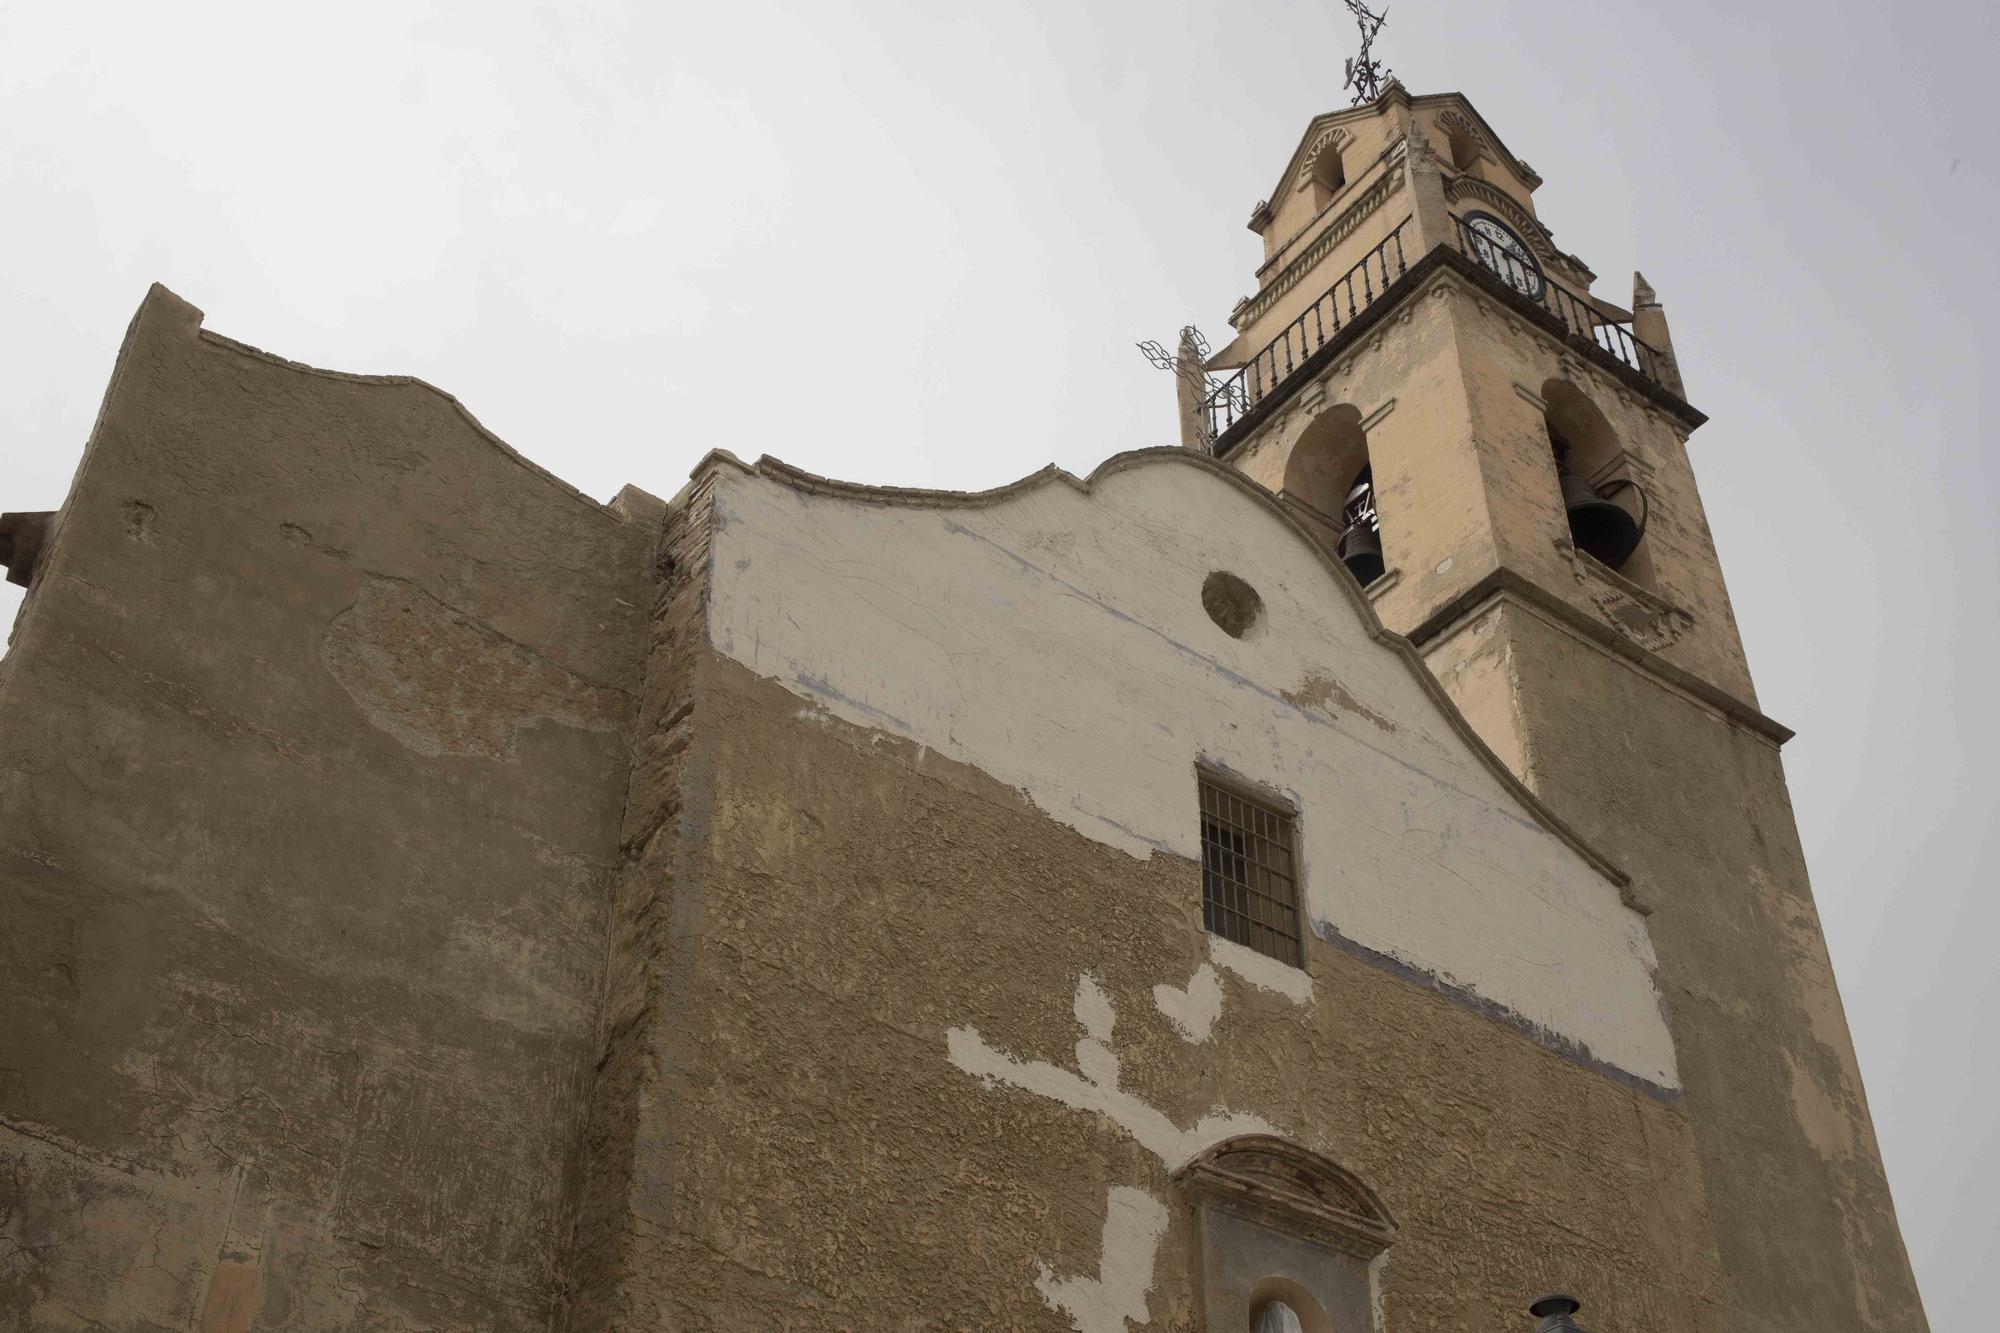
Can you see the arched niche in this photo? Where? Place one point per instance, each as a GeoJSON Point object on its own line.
{"type": "Point", "coordinates": [1277, 1297]}
{"type": "Point", "coordinates": [1328, 475]}
{"type": "Point", "coordinates": [1583, 443]}
{"type": "Point", "coordinates": [1324, 173]}
{"type": "Point", "coordinates": [1464, 151]}
{"type": "Point", "coordinates": [1274, 1222]}
{"type": "Point", "coordinates": [1329, 175]}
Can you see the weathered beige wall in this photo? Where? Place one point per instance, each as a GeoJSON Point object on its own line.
{"type": "Point", "coordinates": [1406, 380]}
{"type": "Point", "coordinates": [619, 1271]}
{"type": "Point", "coordinates": [1641, 747]}
{"type": "Point", "coordinates": [429, 898]}
{"type": "Point", "coordinates": [1696, 808]}
{"type": "Point", "coordinates": [312, 759]}
{"type": "Point", "coordinates": [1505, 362]}
{"type": "Point", "coordinates": [1448, 386]}
{"type": "Point", "coordinates": [1055, 639]}
{"type": "Point", "coordinates": [1298, 212]}
{"type": "Point", "coordinates": [876, 1097]}
{"type": "Point", "coordinates": [1301, 265]}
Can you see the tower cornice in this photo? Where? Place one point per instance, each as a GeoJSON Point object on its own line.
{"type": "Point", "coordinates": [1321, 127]}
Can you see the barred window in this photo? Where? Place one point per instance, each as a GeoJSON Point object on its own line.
{"type": "Point", "coordinates": [1249, 876]}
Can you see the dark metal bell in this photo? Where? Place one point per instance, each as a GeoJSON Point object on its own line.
{"type": "Point", "coordinates": [1361, 552]}
{"type": "Point", "coordinates": [1361, 541]}
{"type": "Point", "coordinates": [1597, 525]}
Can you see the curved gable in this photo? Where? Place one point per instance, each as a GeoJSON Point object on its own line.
{"type": "Point", "coordinates": [1052, 633]}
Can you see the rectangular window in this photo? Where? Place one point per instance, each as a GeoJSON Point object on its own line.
{"type": "Point", "coordinates": [1249, 874]}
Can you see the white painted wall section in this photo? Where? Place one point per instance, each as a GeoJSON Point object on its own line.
{"type": "Point", "coordinates": [1055, 638]}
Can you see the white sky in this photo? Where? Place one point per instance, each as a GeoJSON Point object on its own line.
{"type": "Point", "coordinates": [914, 244]}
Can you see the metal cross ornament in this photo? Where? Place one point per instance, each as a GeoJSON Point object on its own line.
{"type": "Point", "coordinates": [1364, 73]}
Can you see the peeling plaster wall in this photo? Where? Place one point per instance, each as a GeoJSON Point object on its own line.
{"type": "Point", "coordinates": [1057, 641]}
{"type": "Point", "coordinates": [924, 1067]}
{"type": "Point", "coordinates": [313, 740]}
{"type": "Point", "coordinates": [1802, 1211]}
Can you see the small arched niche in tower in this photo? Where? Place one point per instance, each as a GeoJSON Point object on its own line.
{"type": "Point", "coordinates": [1464, 149]}
{"type": "Point", "coordinates": [1329, 174]}
{"type": "Point", "coordinates": [1285, 1241]}
{"type": "Point", "coordinates": [1329, 478]}
{"type": "Point", "coordinates": [1603, 500]}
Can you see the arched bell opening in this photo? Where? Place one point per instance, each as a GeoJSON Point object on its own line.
{"type": "Point", "coordinates": [1328, 474]}
{"type": "Point", "coordinates": [1329, 175]}
{"type": "Point", "coordinates": [1604, 503]}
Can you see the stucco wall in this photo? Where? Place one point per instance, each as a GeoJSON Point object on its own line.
{"type": "Point", "coordinates": [1696, 808]}
{"type": "Point", "coordinates": [941, 1052]}
{"type": "Point", "coordinates": [1055, 639]}
{"type": "Point", "coordinates": [312, 758]}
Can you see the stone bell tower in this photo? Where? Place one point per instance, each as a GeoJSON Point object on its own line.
{"type": "Point", "coordinates": [1501, 458]}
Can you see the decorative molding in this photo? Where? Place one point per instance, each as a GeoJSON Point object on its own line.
{"type": "Point", "coordinates": [1334, 138]}
{"type": "Point", "coordinates": [1251, 308]}
{"type": "Point", "coordinates": [1370, 421]}
{"type": "Point", "coordinates": [1633, 463]}
{"type": "Point", "coordinates": [1453, 119]}
{"type": "Point", "coordinates": [1504, 584]}
{"type": "Point", "coordinates": [1456, 122]}
{"type": "Point", "coordinates": [1644, 618]}
{"type": "Point", "coordinates": [1382, 584]}
{"type": "Point", "coordinates": [1462, 186]}
{"type": "Point", "coordinates": [1539, 403]}
{"type": "Point", "coordinates": [1280, 1185]}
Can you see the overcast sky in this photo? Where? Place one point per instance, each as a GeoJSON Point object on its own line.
{"type": "Point", "coordinates": [914, 244]}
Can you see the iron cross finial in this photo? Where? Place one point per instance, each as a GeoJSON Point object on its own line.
{"type": "Point", "coordinates": [1364, 73]}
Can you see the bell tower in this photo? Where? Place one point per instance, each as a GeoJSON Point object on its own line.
{"type": "Point", "coordinates": [1501, 457]}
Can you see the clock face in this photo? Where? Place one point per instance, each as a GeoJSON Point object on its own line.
{"type": "Point", "coordinates": [1495, 245]}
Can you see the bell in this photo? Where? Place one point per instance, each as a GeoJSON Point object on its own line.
{"type": "Point", "coordinates": [1361, 541]}
{"type": "Point", "coordinates": [1596, 525]}
{"type": "Point", "coordinates": [1361, 552]}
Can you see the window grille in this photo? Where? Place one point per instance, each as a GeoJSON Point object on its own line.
{"type": "Point", "coordinates": [1249, 876]}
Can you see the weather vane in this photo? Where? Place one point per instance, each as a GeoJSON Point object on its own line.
{"type": "Point", "coordinates": [1364, 72]}
{"type": "Point", "coordinates": [1189, 366]}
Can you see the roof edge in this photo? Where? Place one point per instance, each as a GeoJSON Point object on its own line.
{"type": "Point", "coordinates": [1394, 94]}
{"type": "Point", "coordinates": [162, 300]}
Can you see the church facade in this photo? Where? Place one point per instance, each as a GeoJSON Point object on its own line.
{"type": "Point", "coordinates": [1329, 874]}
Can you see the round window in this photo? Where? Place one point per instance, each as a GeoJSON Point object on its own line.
{"type": "Point", "coordinates": [1231, 603]}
